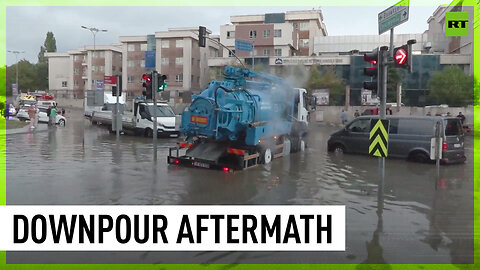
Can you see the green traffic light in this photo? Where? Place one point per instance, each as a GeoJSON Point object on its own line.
{"type": "Point", "coordinates": [162, 87]}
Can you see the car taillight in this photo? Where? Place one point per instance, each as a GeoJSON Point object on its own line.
{"type": "Point", "coordinates": [444, 146]}
{"type": "Point", "coordinates": [226, 169]}
{"type": "Point", "coordinates": [177, 161]}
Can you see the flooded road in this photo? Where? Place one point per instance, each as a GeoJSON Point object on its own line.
{"type": "Point", "coordinates": [424, 219]}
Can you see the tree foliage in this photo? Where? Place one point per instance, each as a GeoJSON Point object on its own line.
{"type": "Point", "coordinates": [451, 86]}
{"type": "Point", "coordinates": [327, 79]}
{"type": "Point", "coordinates": [394, 77]}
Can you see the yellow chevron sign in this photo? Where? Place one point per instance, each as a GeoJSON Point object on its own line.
{"type": "Point", "coordinates": [379, 138]}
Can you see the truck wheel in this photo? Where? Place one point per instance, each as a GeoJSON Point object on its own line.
{"type": "Point", "coordinates": [148, 132]}
{"type": "Point", "coordinates": [267, 156]}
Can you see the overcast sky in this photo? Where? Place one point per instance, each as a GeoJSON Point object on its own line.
{"type": "Point", "coordinates": [27, 26]}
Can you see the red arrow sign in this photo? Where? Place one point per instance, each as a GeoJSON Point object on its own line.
{"type": "Point", "coordinates": [401, 56]}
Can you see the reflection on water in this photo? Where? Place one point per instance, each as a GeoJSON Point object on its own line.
{"type": "Point", "coordinates": [418, 224]}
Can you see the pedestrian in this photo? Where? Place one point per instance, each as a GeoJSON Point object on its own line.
{"type": "Point", "coordinates": [449, 114]}
{"type": "Point", "coordinates": [53, 115]}
{"type": "Point", "coordinates": [32, 114]}
{"type": "Point", "coordinates": [343, 116]}
{"type": "Point", "coordinates": [63, 111]}
{"type": "Point", "coordinates": [356, 114]}
{"type": "Point", "coordinates": [461, 116]}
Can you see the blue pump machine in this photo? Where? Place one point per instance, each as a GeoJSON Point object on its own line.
{"type": "Point", "coordinates": [238, 114]}
{"type": "Point", "coordinates": [236, 109]}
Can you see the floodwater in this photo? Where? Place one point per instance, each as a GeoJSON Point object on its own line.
{"type": "Point", "coordinates": [424, 219]}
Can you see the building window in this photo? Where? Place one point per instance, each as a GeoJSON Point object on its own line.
{"type": "Point", "coordinates": [75, 83]}
{"type": "Point", "coordinates": [230, 34]}
{"type": "Point", "coordinates": [266, 33]}
{"type": "Point", "coordinates": [113, 68]}
{"type": "Point", "coordinates": [304, 26]}
{"type": "Point", "coordinates": [277, 33]}
{"type": "Point", "coordinates": [165, 61]}
{"type": "Point", "coordinates": [64, 83]}
{"type": "Point", "coordinates": [142, 63]}
{"type": "Point", "coordinates": [76, 71]}
{"type": "Point", "coordinates": [101, 68]}
{"type": "Point", "coordinates": [179, 43]}
{"type": "Point", "coordinates": [179, 78]}
{"type": "Point", "coordinates": [295, 26]}
{"type": "Point", "coordinates": [278, 52]}
{"type": "Point", "coordinates": [165, 44]}
{"type": "Point", "coordinates": [253, 34]}
{"type": "Point", "coordinates": [130, 78]}
{"type": "Point", "coordinates": [131, 63]}
{"type": "Point", "coordinates": [131, 47]}
{"type": "Point", "coordinates": [179, 61]}
{"type": "Point", "coordinates": [143, 47]}
{"type": "Point", "coordinates": [266, 52]}
{"type": "Point", "coordinates": [303, 43]}
{"type": "Point", "coordinates": [231, 53]}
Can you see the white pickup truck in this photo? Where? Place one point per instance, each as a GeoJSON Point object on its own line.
{"type": "Point", "coordinates": [140, 121]}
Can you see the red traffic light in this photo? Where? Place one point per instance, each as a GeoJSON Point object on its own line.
{"type": "Point", "coordinates": [400, 56]}
{"type": "Point", "coordinates": [146, 78]}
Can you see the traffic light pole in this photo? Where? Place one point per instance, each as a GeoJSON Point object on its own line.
{"type": "Point", "coordinates": [117, 112]}
{"type": "Point", "coordinates": [154, 96]}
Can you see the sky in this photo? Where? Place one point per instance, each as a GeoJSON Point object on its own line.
{"type": "Point", "coordinates": [27, 26]}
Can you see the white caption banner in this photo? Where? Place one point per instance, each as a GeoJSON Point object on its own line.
{"type": "Point", "coordinates": [173, 228]}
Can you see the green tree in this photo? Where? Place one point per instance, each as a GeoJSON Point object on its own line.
{"type": "Point", "coordinates": [327, 79]}
{"type": "Point", "coordinates": [394, 77]}
{"type": "Point", "coordinates": [451, 86]}
{"type": "Point", "coordinates": [50, 43]}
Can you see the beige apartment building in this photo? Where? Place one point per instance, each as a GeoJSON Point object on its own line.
{"type": "Point", "coordinates": [274, 34]}
{"type": "Point", "coordinates": [176, 54]}
{"type": "Point", "coordinates": [76, 71]}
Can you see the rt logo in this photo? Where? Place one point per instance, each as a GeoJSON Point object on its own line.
{"type": "Point", "coordinates": [456, 24]}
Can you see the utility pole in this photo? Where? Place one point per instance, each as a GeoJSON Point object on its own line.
{"type": "Point", "coordinates": [94, 32]}
{"type": "Point", "coordinates": [154, 96]}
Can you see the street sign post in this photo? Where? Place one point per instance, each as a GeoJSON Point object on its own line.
{"type": "Point", "coordinates": [99, 84]}
{"type": "Point", "coordinates": [393, 16]}
{"type": "Point", "coordinates": [243, 46]}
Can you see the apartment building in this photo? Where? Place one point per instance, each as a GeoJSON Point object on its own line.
{"type": "Point", "coordinates": [174, 53]}
{"type": "Point", "coordinates": [274, 34]}
{"type": "Point", "coordinates": [83, 69]}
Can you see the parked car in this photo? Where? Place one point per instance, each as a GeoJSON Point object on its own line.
{"type": "Point", "coordinates": [409, 137]}
{"type": "Point", "coordinates": [42, 116]}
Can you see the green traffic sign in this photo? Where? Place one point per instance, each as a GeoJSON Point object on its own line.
{"type": "Point", "coordinates": [393, 16]}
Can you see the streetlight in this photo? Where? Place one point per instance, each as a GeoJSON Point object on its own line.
{"type": "Point", "coordinates": [94, 31]}
{"type": "Point", "coordinates": [16, 65]}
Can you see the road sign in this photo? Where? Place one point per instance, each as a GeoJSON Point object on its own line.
{"type": "Point", "coordinates": [150, 59]}
{"type": "Point", "coordinates": [379, 137]}
{"type": "Point", "coordinates": [110, 80]}
{"type": "Point", "coordinates": [99, 84]}
{"type": "Point", "coordinates": [14, 89]}
{"type": "Point", "coordinates": [393, 16]}
{"type": "Point", "coordinates": [243, 46]}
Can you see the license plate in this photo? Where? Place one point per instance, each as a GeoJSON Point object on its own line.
{"type": "Point", "coordinates": [201, 164]}
{"type": "Point", "coordinates": [457, 145]}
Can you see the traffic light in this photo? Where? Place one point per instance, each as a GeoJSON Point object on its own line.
{"type": "Point", "coordinates": [202, 33]}
{"type": "Point", "coordinates": [148, 85]}
{"type": "Point", "coordinates": [401, 56]}
{"type": "Point", "coordinates": [372, 58]}
{"type": "Point", "coordinates": [161, 83]}
{"type": "Point", "coordinates": [114, 88]}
